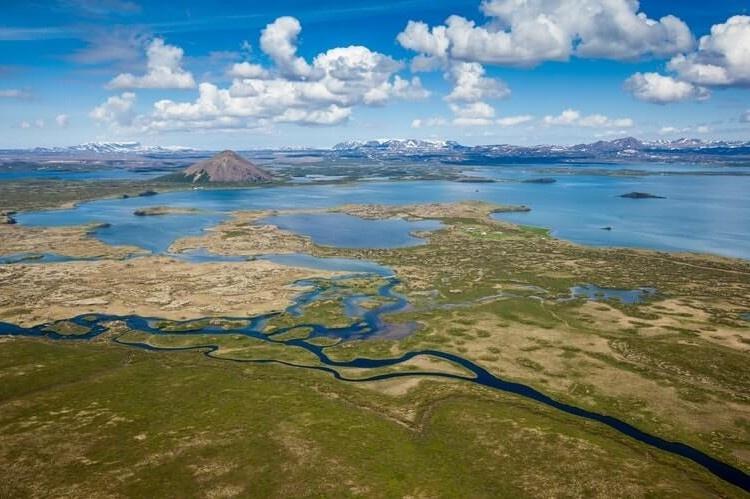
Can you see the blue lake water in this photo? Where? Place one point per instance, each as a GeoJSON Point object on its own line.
{"type": "Point", "coordinates": [289, 259]}
{"type": "Point", "coordinates": [596, 293]}
{"type": "Point", "coordinates": [334, 264]}
{"type": "Point", "coordinates": [525, 172]}
{"type": "Point", "coordinates": [707, 214]}
{"type": "Point", "coordinates": [347, 231]}
{"type": "Point", "coordinates": [701, 213]}
{"type": "Point", "coordinates": [154, 233]}
{"type": "Point", "coordinates": [202, 255]}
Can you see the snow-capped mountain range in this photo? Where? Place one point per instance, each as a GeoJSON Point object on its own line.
{"type": "Point", "coordinates": [623, 144]}
{"type": "Point", "coordinates": [399, 145]}
{"type": "Point", "coordinates": [627, 148]}
{"type": "Point", "coordinates": [114, 148]}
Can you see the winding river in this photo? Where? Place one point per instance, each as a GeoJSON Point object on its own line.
{"type": "Point", "coordinates": [365, 324]}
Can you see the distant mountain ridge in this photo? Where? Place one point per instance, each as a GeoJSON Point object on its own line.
{"type": "Point", "coordinates": [601, 145]}
{"type": "Point", "coordinates": [419, 146]}
{"type": "Point", "coordinates": [399, 145]}
{"type": "Point", "coordinates": [623, 148]}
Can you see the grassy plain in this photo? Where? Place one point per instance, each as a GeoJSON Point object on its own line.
{"type": "Point", "coordinates": [49, 194]}
{"type": "Point", "coordinates": [98, 420]}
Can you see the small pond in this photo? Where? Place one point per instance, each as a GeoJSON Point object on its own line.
{"type": "Point", "coordinates": [347, 231]}
{"type": "Point", "coordinates": [597, 293]}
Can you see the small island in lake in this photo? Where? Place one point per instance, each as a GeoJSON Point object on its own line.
{"type": "Point", "coordinates": [162, 210]}
{"type": "Point", "coordinates": [542, 180]}
{"type": "Point", "coordinates": [641, 195]}
{"type": "Point", "coordinates": [474, 180]}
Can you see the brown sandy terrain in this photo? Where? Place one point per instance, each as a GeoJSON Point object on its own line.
{"type": "Point", "coordinates": [148, 286]}
{"type": "Point", "coordinates": [240, 236]}
{"type": "Point", "coordinates": [74, 242]}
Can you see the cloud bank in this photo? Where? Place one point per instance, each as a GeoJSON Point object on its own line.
{"type": "Point", "coordinates": [291, 90]}
{"type": "Point", "coordinates": [721, 60]}
{"type": "Point", "coordinates": [526, 33]}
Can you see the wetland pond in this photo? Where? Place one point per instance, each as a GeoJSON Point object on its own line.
{"type": "Point", "coordinates": [347, 231]}
{"type": "Point", "coordinates": [625, 296]}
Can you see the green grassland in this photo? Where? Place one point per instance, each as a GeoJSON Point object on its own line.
{"type": "Point", "coordinates": [98, 420]}
{"type": "Point", "coordinates": [14, 195]}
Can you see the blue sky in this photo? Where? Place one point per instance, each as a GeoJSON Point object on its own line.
{"type": "Point", "coordinates": [498, 71]}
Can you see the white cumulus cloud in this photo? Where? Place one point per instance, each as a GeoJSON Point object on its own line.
{"type": "Point", "coordinates": [247, 70]}
{"type": "Point", "coordinates": [164, 70]}
{"type": "Point", "coordinates": [660, 89]}
{"type": "Point", "coordinates": [514, 120]}
{"type": "Point", "coordinates": [473, 114]}
{"type": "Point", "coordinates": [279, 41]}
{"type": "Point", "coordinates": [528, 32]}
{"type": "Point", "coordinates": [116, 112]}
{"type": "Point", "coordinates": [62, 120]}
{"type": "Point", "coordinates": [471, 85]}
{"type": "Point", "coordinates": [572, 117]}
{"type": "Point", "coordinates": [292, 90]}
{"type": "Point", "coordinates": [722, 58]}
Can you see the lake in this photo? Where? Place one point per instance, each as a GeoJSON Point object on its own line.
{"type": "Point", "coordinates": [701, 213]}
{"type": "Point", "coordinates": [347, 231]}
